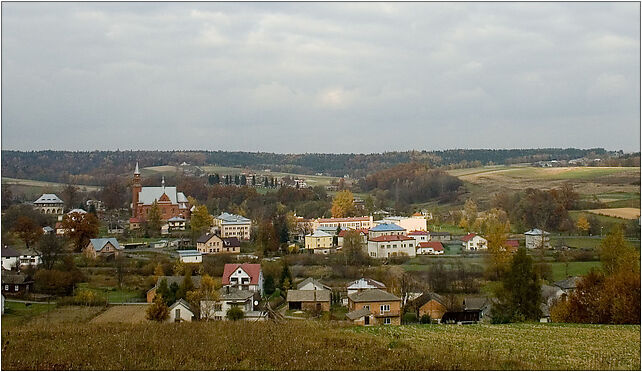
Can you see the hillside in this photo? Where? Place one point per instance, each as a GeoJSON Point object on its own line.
{"type": "Point", "coordinates": [319, 346]}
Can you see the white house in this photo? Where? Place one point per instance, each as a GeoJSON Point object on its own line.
{"type": "Point", "coordinates": [386, 229]}
{"type": "Point", "coordinates": [473, 242]}
{"type": "Point", "coordinates": [391, 245]}
{"type": "Point", "coordinates": [232, 225]}
{"type": "Point", "coordinates": [231, 297]}
{"type": "Point", "coordinates": [176, 223]}
{"type": "Point", "coordinates": [49, 204]}
{"type": "Point", "coordinates": [416, 222]}
{"type": "Point", "coordinates": [536, 238]}
{"type": "Point", "coordinates": [190, 256]}
{"type": "Point", "coordinates": [12, 258]}
{"type": "Point", "coordinates": [311, 284]}
{"type": "Point", "coordinates": [419, 236]}
{"type": "Point", "coordinates": [362, 284]}
{"type": "Point", "coordinates": [435, 248]}
{"type": "Point", "coordinates": [246, 276]}
{"type": "Point", "coordinates": [180, 311]}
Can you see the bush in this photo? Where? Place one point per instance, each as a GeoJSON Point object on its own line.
{"type": "Point", "coordinates": [235, 313]}
{"type": "Point", "coordinates": [158, 311]}
{"type": "Point", "coordinates": [84, 297]}
{"type": "Point", "coordinates": [410, 318]}
{"type": "Point", "coordinates": [425, 319]}
{"type": "Point", "coordinates": [56, 281]}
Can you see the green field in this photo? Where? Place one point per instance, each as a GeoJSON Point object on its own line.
{"type": "Point", "coordinates": [574, 268]}
{"type": "Point", "coordinates": [114, 295]}
{"type": "Point", "coordinates": [313, 345]}
{"type": "Point", "coordinates": [17, 312]}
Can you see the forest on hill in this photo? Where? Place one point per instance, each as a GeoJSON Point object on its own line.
{"type": "Point", "coordinates": [95, 167]}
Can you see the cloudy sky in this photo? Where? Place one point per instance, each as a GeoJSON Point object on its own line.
{"type": "Point", "coordinates": [324, 77]}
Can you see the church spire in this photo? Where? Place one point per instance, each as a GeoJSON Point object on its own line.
{"type": "Point", "coordinates": [136, 171]}
{"type": "Point", "coordinates": [163, 183]}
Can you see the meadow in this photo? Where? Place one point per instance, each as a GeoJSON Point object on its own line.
{"type": "Point", "coordinates": [312, 345]}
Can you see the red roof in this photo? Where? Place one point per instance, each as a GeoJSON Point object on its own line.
{"type": "Point", "coordinates": [417, 214]}
{"type": "Point", "coordinates": [253, 270]}
{"type": "Point", "coordinates": [437, 246]}
{"type": "Point", "coordinates": [418, 232]}
{"type": "Point", "coordinates": [362, 231]}
{"type": "Point", "coordinates": [390, 238]}
{"type": "Point", "coordinates": [512, 243]}
{"type": "Point", "coordinates": [135, 220]}
{"type": "Point", "coordinates": [468, 237]}
{"type": "Point", "coordinates": [344, 219]}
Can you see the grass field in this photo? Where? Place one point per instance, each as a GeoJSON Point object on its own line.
{"type": "Point", "coordinates": [122, 314]}
{"type": "Point", "coordinates": [18, 312]}
{"type": "Point", "coordinates": [114, 295]}
{"type": "Point", "coordinates": [574, 268]}
{"type": "Point", "coordinates": [624, 213]}
{"type": "Point", "coordinates": [310, 345]}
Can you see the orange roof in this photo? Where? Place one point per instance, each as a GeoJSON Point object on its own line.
{"type": "Point", "coordinates": [417, 214]}
{"type": "Point", "coordinates": [468, 237]}
{"type": "Point", "coordinates": [418, 232]}
{"type": "Point", "coordinates": [344, 219]}
{"type": "Point", "coordinates": [437, 246]}
{"type": "Point", "coordinates": [362, 231]}
{"type": "Point", "coordinates": [390, 238]}
{"type": "Point", "coordinates": [253, 270]}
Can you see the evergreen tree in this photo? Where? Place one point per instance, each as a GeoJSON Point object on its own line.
{"type": "Point", "coordinates": [157, 311]}
{"type": "Point", "coordinates": [163, 289]}
{"type": "Point", "coordinates": [265, 182]}
{"type": "Point", "coordinates": [286, 276]}
{"type": "Point", "coordinates": [243, 180]}
{"type": "Point", "coordinates": [253, 180]}
{"type": "Point", "coordinates": [237, 180]}
{"type": "Point", "coordinates": [154, 219]}
{"type": "Point", "coordinates": [268, 285]}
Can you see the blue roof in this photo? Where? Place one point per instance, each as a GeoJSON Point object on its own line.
{"type": "Point", "coordinates": [387, 227]}
{"type": "Point", "coordinates": [189, 253]}
{"type": "Point", "coordinates": [100, 243]}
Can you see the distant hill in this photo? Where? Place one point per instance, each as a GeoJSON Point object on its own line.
{"type": "Point", "coordinates": [94, 167]}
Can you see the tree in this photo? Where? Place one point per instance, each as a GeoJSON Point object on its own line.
{"type": "Point", "coordinates": [154, 219]}
{"type": "Point", "coordinates": [71, 196]}
{"type": "Point", "coordinates": [343, 204]}
{"type": "Point", "coordinates": [186, 286]}
{"type": "Point", "coordinates": [616, 254]}
{"type": "Point", "coordinates": [286, 276]}
{"type": "Point", "coordinates": [498, 254]}
{"type": "Point", "coordinates": [583, 224]}
{"type": "Point", "coordinates": [163, 289]}
{"type": "Point", "coordinates": [353, 248]}
{"type": "Point", "coordinates": [205, 298]}
{"type": "Point", "coordinates": [80, 227]}
{"type": "Point", "coordinates": [49, 248]}
{"type": "Point", "coordinates": [157, 311]}
{"type": "Point", "coordinates": [235, 313]}
{"type": "Point", "coordinates": [158, 271]}
{"type": "Point", "coordinates": [28, 230]}
{"type": "Point", "coordinates": [268, 285]}
{"type": "Point", "coordinates": [200, 221]}
{"type": "Point", "coordinates": [470, 213]}
{"type": "Point", "coordinates": [243, 180]}
{"type": "Point", "coordinates": [520, 292]}
{"type": "Point", "coordinates": [114, 194]}
{"type": "Point", "coordinates": [119, 264]}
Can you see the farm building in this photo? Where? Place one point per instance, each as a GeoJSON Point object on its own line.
{"type": "Point", "coordinates": [102, 247]}
{"type": "Point", "coordinates": [190, 256]}
{"type": "Point", "coordinates": [536, 238]}
{"type": "Point", "coordinates": [180, 311]}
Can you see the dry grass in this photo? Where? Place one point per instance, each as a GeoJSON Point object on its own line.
{"type": "Point", "coordinates": [123, 314]}
{"type": "Point", "coordinates": [67, 314]}
{"type": "Point", "coordinates": [626, 213]}
{"type": "Point", "coordinates": [310, 345]}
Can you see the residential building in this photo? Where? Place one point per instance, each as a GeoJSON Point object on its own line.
{"type": "Point", "coordinates": [416, 222]}
{"type": "Point", "coordinates": [15, 284]}
{"type": "Point", "coordinates": [178, 279]}
{"type": "Point", "coordinates": [474, 310]}
{"type": "Point", "coordinates": [210, 243]}
{"type": "Point", "coordinates": [180, 311]}
{"type": "Point", "coordinates": [364, 222]}
{"type": "Point", "coordinates": [431, 304]}
{"type": "Point", "coordinates": [246, 276]}
{"type": "Point", "coordinates": [536, 238]}
{"type": "Point", "coordinates": [190, 256]}
{"type": "Point", "coordinates": [98, 205]}
{"type": "Point", "coordinates": [384, 246]}
{"type": "Point", "coordinates": [362, 232]}
{"type": "Point", "coordinates": [568, 285]}
{"type": "Point", "coordinates": [419, 236]}
{"type": "Point", "coordinates": [233, 226]}
{"type": "Point", "coordinates": [319, 241]}
{"type": "Point", "coordinates": [382, 308]}
{"type": "Point", "coordinates": [310, 300]}
{"type": "Point", "coordinates": [511, 245]}
{"type": "Point", "coordinates": [311, 284]}
{"type": "Point", "coordinates": [170, 202]}
{"type": "Point", "coordinates": [548, 295]}
{"type": "Point", "coordinates": [440, 236]}
{"type": "Point", "coordinates": [434, 248]}
{"type": "Point", "coordinates": [363, 284]}
{"type": "Point", "coordinates": [49, 204]}
{"type": "Point", "coordinates": [231, 297]}
{"type": "Point", "coordinates": [102, 247]}
{"type": "Point", "coordinates": [474, 242]}
{"type": "Point", "coordinates": [386, 229]}
{"type": "Point", "coordinates": [176, 223]}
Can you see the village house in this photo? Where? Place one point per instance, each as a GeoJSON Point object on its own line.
{"type": "Point", "coordinates": [310, 295]}
{"type": "Point", "coordinates": [511, 245]}
{"type": "Point", "coordinates": [536, 238]}
{"type": "Point", "coordinates": [474, 309]}
{"type": "Point", "coordinates": [319, 241]}
{"type": "Point", "coordinates": [210, 243]}
{"type": "Point", "coordinates": [190, 256]}
{"type": "Point", "coordinates": [363, 233]}
{"type": "Point", "coordinates": [363, 284]}
{"type": "Point", "coordinates": [440, 236]}
{"type": "Point", "coordinates": [232, 297]}
{"type": "Point", "coordinates": [416, 222]}
{"type": "Point", "coordinates": [474, 242]}
{"type": "Point", "coordinates": [434, 248]}
{"type": "Point", "coordinates": [170, 202]}
{"type": "Point", "coordinates": [13, 258]}
{"type": "Point", "coordinates": [180, 311]}
{"type": "Point", "coordinates": [419, 236]}
{"type": "Point", "coordinates": [431, 304]}
{"type": "Point", "coordinates": [232, 226]}
{"type": "Point", "coordinates": [178, 279]}
{"type": "Point", "coordinates": [98, 205]}
{"type": "Point", "coordinates": [386, 229]}
{"type": "Point", "coordinates": [102, 247]}
{"type": "Point", "coordinates": [49, 204]}
{"type": "Point", "coordinates": [344, 223]}
{"type": "Point", "coordinates": [15, 284]}
{"type": "Point", "coordinates": [176, 223]}
{"type": "Point", "coordinates": [246, 276]}
{"type": "Point", "coordinates": [382, 308]}
{"type": "Point", "coordinates": [384, 246]}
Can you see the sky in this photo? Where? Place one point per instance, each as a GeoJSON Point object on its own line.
{"type": "Point", "coordinates": [320, 77]}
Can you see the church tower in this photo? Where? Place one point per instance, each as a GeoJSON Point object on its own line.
{"type": "Point", "coordinates": [136, 188]}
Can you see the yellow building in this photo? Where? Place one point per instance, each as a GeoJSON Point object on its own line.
{"type": "Point", "coordinates": [319, 241]}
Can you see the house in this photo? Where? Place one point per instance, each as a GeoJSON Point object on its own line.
{"type": "Point", "coordinates": [14, 284]}
{"type": "Point", "coordinates": [246, 276]}
{"type": "Point", "coordinates": [419, 236]}
{"type": "Point", "coordinates": [169, 201]}
{"type": "Point", "coordinates": [180, 311]}
{"type": "Point", "coordinates": [231, 297]}
{"type": "Point", "coordinates": [210, 243]}
{"type": "Point", "coordinates": [196, 281]}
{"type": "Point", "coordinates": [430, 304]}
{"type": "Point", "coordinates": [364, 222]}
{"type": "Point", "coordinates": [310, 300]}
{"type": "Point", "coordinates": [435, 248]}
{"type": "Point", "coordinates": [511, 245]}
{"type": "Point", "coordinates": [98, 205]}
{"type": "Point", "coordinates": [548, 294]}
{"type": "Point", "coordinates": [416, 222]}
{"type": "Point", "coordinates": [473, 242]}
{"type": "Point", "coordinates": [384, 246]}
{"type": "Point", "coordinates": [311, 284]}
{"type": "Point", "coordinates": [190, 256]}
{"type": "Point", "coordinates": [16, 259]}
{"type": "Point", "coordinates": [568, 285]}
{"type": "Point", "coordinates": [382, 307]}
{"type": "Point", "coordinates": [385, 229]}
{"type": "Point", "coordinates": [232, 225]}
{"type": "Point", "coordinates": [176, 223]}
{"type": "Point", "coordinates": [102, 247]}
{"type": "Point", "coordinates": [536, 238]}
{"type": "Point", "coordinates": [363, 233]}
{"type": "Point", "coordinates": [48, 230]}
{"type": "Point", "coordinates": [115, 228]}
{"type": "Point", "coordinates": [49, 204]}
{"type": "Point", "coordinates": [363, 284]}
{"type": "Point", "coordinates": [474, 310]}
{"type": "Point", "coordinates": [440, 236]}
{"type": "Point", "coordinates": [319, 241]}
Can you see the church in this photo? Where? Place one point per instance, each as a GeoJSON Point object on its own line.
{"type": "Point", "coordinates": [171, 203]}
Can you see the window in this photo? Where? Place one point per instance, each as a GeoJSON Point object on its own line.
{"type": "Point", "coordinates": [16, 288]}
{"type": "Point", "coordinates": [218, 307]}
{"type": "Point", "coordinates": [384, 308]}
{"type": "Point", "coordinates": [6, 287]}
{"type": "Point", "coordinates": [386, 321]}
{"type": "Point", "coordinates": [366, 307]}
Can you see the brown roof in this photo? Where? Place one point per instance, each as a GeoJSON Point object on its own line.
{"type": "Point", "coordinates": [373, 295]}
{"type": "Point", "coordinates": [295, 295]}
{"type": "Point", "coordinates": [353, 315]}
{"type": "Point", "coordinates": [390, 238]}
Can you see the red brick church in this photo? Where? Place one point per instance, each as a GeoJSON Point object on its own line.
{"type": "Point", "coordinates": [171, 203]}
